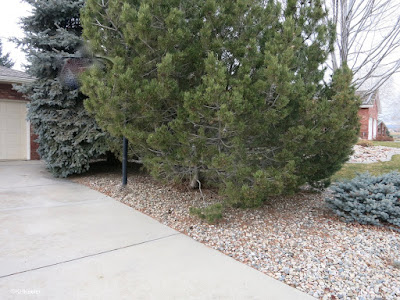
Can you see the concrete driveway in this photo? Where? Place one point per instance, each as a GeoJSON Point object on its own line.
{"type": "Point", "coordinates": [61, 240]}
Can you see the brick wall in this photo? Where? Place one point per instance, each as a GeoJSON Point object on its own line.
{"type": "Point", "coordinates": [34, 146]}
{"type": "Point", "coordinates": [7, 92]}
{"type": "Point", "coordinates": [381, 130]}
{"type": "Point", "coordinates": [384, 130]}
{"type": "Point", "coordinates": [365, 114]}
{"type": "Point", "coordinates": [374, 110]}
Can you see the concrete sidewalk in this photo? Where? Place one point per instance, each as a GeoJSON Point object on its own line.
{"type": "Point", "coordinates": [61, 240]}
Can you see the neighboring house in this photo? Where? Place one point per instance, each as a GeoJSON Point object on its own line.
{"type": "Point", "coordinates": [368, 112]}
{"type": "Point", "coordinates": [16, 136]}
{"type": "Point", "coordinates": [382, 130]}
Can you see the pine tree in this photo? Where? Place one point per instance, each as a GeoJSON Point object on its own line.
{"type": "Point", "coordinates": [68, 137]}
{"type": "Point", "coordinates": [5, 59]}
{"type": "Point", "coordinates": [226, 92]}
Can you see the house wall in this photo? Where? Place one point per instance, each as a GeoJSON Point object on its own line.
{"type": "Point", "coordinates": [382, 130]}
{"type": "Point", "coordinates": [34, 146]}
{"type": "Point", "coordinates": [365, 114]}
{"type": "Point", "coordinates": [7, 92]}
{"type": "Point", "coordinates": [379, 130]}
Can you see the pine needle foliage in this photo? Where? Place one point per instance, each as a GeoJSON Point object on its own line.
{"type": "Point", "coordinates": [5, 59]}
{"type": "Point", "coordinates": [219, 92]}
{"type": "Point", "coordinates": [68, 137]}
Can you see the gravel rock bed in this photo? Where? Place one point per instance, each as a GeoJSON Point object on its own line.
{"type": "Point", "coordinates": [373, 154]}
{"type": "Point", "coordinates": [293, 239]}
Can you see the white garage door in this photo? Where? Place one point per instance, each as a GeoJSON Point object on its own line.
{"type": "Point", "coordinates": [13, 130]}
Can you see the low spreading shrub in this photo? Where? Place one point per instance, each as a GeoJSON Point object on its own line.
{"type": "Point", "coordinates": [365, 143]}
{"type": "Point", "coordinates": [368, 199]}
{"type": "Point", "coordinates": [211, 214]}
{"type": "Point", "coordinates": [384, 138]}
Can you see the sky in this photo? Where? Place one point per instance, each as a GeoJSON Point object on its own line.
{"type": "Point", "coordinates": [13, 10]}
{"type": "Point", "coordinates": [10, 13]}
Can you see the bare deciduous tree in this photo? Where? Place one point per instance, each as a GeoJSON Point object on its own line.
{"type": "Point", "coordinates": [368, 39]}
{"type": "Point", "coordinates": [389, 93]}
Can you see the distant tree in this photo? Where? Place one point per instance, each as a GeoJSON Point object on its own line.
{"type": "Point", "coordinates": [68, 137]}
{"type": "Point", "coordinates": [389, 95]}
{"type": "Point", "coordinates": [225, 92]}
{"type": "Point", "coordinates": [5, 59]}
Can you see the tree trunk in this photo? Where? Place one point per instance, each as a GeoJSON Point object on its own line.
{"type": "Point", "coordinates": [194, 183]}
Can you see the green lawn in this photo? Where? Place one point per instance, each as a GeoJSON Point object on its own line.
{"type": "Point", "coordinates": [350, 170]}
{"type": "Point", "coordinates": [396, 135]}
{"type": "Point", "coordinates": [387, 144]}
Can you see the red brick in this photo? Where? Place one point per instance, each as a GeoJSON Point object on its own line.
{"type": "Point", "coordinates": [365, 114]}
{"type": "Point", "coordinates": [7, 92]}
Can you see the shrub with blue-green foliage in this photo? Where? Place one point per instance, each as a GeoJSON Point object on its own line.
{"type": "Point", "coordinates": [69, 138]}
{"type": "Point", "coordinates": [368, 199]}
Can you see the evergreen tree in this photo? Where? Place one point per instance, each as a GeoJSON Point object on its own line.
{"type": "Point", "coordinates": [5, 59]}
{"type": "Point", "coordinates": [226, 92]}
{"type": "Point", "coordinates": [68, 137]}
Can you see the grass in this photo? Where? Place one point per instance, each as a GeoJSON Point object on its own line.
{"type": "Point", "coordinates": [350, 171]}
{"type": "Point", "coordinates": [387, 144]}
{"type": "Point", "coordinates": [396, 135]}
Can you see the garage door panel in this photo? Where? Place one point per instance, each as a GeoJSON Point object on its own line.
{"type": "Point", "coordinates": [2, 107]}
{"type": "Point", "coordinates": [15, 107]}
{"type": "Point", "coordinates": [14, 139]}
{"type": "Point", "coordinates": [2, 124]}
{"type": "Point", "coordinates": [14, 126]}
{"type": "Point", "coordinates": [13, 130]}
{"type": "Point", "coordinates": [13, 110]}
{"type": "Point", "coordinates": [12, 153]}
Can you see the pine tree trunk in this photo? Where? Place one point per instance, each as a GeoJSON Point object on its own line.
{"type": "Point", "coordinates": [194, 183]}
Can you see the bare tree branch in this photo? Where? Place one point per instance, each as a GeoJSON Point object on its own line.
{"type": "Point", "coordinates": [368, 39]}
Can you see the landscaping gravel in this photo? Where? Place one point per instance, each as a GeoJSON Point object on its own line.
{"type": "Point", "coordinates": [372, 154]}
{"type": "Point", "coordinates": [296, 239]}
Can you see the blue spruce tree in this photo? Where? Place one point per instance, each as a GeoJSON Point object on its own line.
{"type": "Point", "coordinates": [5, 59]}
{"type": "Point", "coordinates": [68, 137]}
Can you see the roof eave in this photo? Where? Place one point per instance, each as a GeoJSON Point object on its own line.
{"type": "Point", "coordinates": [5, 79]}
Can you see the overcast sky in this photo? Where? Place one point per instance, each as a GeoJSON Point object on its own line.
{"type": "Point", "coordinates": [13, 10]}
{"type": "Point", "coordinates": [10, 13]}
